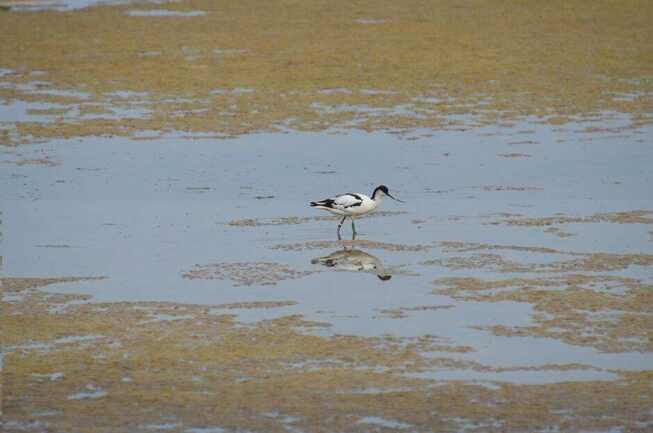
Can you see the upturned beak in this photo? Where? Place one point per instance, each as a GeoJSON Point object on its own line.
{"type": "Point", "coordinates": [400, 201]}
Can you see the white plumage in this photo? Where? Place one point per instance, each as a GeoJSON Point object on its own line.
{"type": "Point", "coordinates": [353, 205]}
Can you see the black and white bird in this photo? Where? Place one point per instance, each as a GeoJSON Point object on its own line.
{"type": "Point", "coordinates": [353, 205]}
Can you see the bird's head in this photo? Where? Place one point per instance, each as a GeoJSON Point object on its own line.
{"type": "Point", "coordinates": [381, 191]}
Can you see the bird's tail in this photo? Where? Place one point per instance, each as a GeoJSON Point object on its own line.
{"type": "Point", "coordinates": [328, 203]}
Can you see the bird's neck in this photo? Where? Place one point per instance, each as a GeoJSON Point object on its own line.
{"type": "Point", "coordinates": [378, 198]}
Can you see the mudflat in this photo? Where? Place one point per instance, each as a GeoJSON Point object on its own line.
{"type": "Point", "coordinates": [162, 271]}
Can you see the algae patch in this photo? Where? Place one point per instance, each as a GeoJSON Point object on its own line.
{"type": "Point", "coordinates": [377, 65]}
{"type": "Point", "coordinates": [245, 273]}
{"type": "Point", "coordinates": [209, 372]}
{"type": "Point", "coordinates": [642, 216]}
{"type": "Point", "coordinates": [365, 244]}
{"type": "Point", "coordinates": [612, 314]}
{"type": "Point", "coordinates": [256, 222]}
{"type": "Point", "coordinates": [40, 161]}
{"type": "Point", "coordinates": [573, 262]}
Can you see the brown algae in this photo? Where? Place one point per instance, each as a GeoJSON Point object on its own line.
{"type": "Point", "coordinates": [412, 68]}
{"type": "Point", "coordinates": [208, 372]}
{"type": "Point", "coordinates": [578, 309]}
{"type": "Point", "coordinates": [363, 243]}
{"type": "Point", "coordinates": [245, 273]}
{"type": "Point", "coordinates": [575, 262]}
{"type": "Point", "coordinates": [256, 222]}
{"type": "Point", "coordinates": [642, 216]}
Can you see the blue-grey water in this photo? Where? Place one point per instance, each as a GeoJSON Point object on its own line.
{"type": "Point", "coordinates": [145, 212]}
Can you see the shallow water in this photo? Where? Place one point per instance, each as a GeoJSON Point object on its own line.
{"type": "Point", "coordinates": [65, 5]}
{"type": "Point", "coordinates": [145, 213]}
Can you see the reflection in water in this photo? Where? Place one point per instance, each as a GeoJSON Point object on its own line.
{"type": "Point", "coordinates": [349, 259]}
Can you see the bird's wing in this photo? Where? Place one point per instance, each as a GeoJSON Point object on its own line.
{"type": "Point", "coordinates": [346, 201]}
{"type": "Point", "coordinates": [341, 202]}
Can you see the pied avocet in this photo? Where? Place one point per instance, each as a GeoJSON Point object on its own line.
{"type": "Point", "coordinates": [353, 205]}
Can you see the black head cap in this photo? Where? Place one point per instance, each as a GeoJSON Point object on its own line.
{"type": "Point", "coordinates": [382, 188]}
{"type": "Point", "coordinates": [384, 277]}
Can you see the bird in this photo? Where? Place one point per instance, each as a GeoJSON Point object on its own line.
{"type": "Point", "coordinates": [353, 260]}
{"type": "Point", "coordinates": [353, 205]}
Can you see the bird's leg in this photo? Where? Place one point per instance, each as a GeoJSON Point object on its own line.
{"type": "Point", "coordinates": [353, 227]}
{"type": "Point", "coordinates": [341, 221]}
{"type": "Point", "coordinates": [340, 225]}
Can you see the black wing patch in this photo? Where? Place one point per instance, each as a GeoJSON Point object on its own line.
{"type": "Point", "coordinates": [357, 197]}
{"type": "Point", "coordinates": [341, 202]}
{"type": "Point", "coordinates": [326, 203]}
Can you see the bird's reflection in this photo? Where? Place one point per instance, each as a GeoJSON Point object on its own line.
{"type": "Point", "coordinates": [350, 259]}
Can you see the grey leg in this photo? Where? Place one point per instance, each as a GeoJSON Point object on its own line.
{"type": "Point", "coordinates": [353, 226]}
{"type": "Point", "coordinates": [340, 225]}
